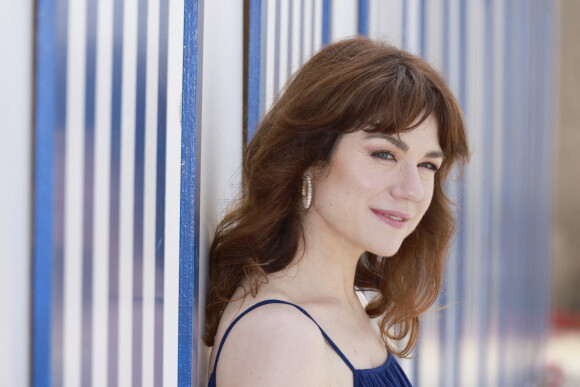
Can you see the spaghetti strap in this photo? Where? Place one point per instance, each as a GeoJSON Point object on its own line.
{"type": "Point", "coordinates": [338, 351]}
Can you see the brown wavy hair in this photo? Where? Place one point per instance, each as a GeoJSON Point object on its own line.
{"type": "Point", "coordinates": [355, 84]}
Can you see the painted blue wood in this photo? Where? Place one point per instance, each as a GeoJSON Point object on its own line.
{"type": "Point", "coordinates": [363, 17]}
{"type": "Point", "coordinates": [89, 158]}
{"type": "Point", "coordinates": [160, 191]}
{"type": "Point", "coordinates": [255, 95]}
{"type": "Point", "coordinates": [189, 223]}
{"type": "Point", "coordinates": [326, 22]}
{"type": "Point", "coordinates": [45, 112]}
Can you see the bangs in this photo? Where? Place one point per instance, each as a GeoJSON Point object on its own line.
{"type": "Point", "coordinates": [401, 105]}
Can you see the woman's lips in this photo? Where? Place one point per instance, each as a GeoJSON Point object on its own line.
{"type": "Point", "coordinates": [392, 218]}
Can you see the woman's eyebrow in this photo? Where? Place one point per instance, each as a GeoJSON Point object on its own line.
{"type": "Point", "coordinates": [434, 154]}
{"type": "Point", "coordinates": [393, 140]}
{"type": "Point", "coordinates": [402, 145]}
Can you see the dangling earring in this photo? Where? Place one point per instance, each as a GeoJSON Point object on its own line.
{"type": "Point", "coordinates": [306, 191]}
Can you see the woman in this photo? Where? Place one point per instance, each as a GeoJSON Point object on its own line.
{"type": "Point", "coordinates": [342, 191]}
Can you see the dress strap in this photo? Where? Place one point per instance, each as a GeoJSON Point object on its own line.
{"type": "Point", "coordinates": [338, 351]}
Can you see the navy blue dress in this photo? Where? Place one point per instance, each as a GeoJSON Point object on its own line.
{"type": "Point", "coordinates": [388, 374]}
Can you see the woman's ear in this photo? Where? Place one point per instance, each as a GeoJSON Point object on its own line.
{"type": "Point", "coordinates": [318, 171]}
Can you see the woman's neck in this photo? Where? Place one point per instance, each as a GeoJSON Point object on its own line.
{"type": "Point", "coordinates": [324, 264]}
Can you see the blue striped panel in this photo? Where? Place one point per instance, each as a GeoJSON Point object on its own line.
{"type": "Point", "coordinates": [44, 180]}
{"type": "Point", "coordinates": [363, 17]}
{"type": "Point", "coordinates": [87, 285]}
{"type": "Point", "coordinates": [326, 21]}
{"type": "Point", "coordinates": [139, 177]}
{"type": "Point", "coordinates": [115, 174]}
{"type": "Point", "coordinates": [57, 345]}
{"type": "Point", "coordinates": [255, 95]}
{"type": "Point", "coordinates": [160, 191]}
{"type": "Point", "coordinates": [189, 208]}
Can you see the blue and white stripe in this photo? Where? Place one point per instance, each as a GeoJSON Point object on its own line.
{"type": "Point", "coordinates": [127, 194]}
{"type": "Point", "coordinates": [100, 262]}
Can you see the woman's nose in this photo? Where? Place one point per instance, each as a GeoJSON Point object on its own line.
{"type": "Point", "coordinates": [408, 184]}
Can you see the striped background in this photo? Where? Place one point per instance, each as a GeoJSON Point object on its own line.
{"type": "Point", "coordinates": [127, 194]}
{"type": "Point", "coordinates": [108, 134]}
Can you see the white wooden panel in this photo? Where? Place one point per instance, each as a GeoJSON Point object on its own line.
{"type": "Point", "coordinates": [344, 22]}
{"type": "Point", "coordinates": [73, 197]}
{"type": "Point", "coordinates": [172, 192]}
{"type": "Point", "coordinates": [149, 194]}
{"type": "Point", "coordinates": [221, 145]}
{"type": "Point", "coordinates": [16, 107]}
{"type": "Point", "coordinates": [103, 89]}
{"type": "Point", "coordinates": [125, 343]}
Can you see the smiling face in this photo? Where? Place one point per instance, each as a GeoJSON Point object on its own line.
{"type": "Point", "coordinates": [376, 188]}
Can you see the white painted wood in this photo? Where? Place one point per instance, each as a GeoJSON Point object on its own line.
{"type": "Point", "coordinates": [172, 192]}
{"type": "Point", "coordinates": [16, 147]}
{"type": "Point", "coordinates": [73, 196]}
{"type": "Point", "coordinates": [221, 146]}
{"type": "Point", "coordinates": [103, 90]}
{"type": "Point", "coordinates": [149, 195]}
{"type": "Point", "coordinates": [344, 19]}
{"type": "Point", "coordinates": [125, 311]}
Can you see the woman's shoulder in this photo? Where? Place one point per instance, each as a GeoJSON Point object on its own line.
{"type": "Point", "coordinates": [274, 344]}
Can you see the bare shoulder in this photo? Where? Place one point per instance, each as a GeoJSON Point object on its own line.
{"type": "Point", "coordinates": [274, 344]}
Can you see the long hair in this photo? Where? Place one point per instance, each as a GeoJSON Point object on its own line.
{"type": "Point", "coordinates": [355, 84]}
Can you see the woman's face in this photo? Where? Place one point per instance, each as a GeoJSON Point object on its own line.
{"type": "Point", "coordinates": [376, 188]}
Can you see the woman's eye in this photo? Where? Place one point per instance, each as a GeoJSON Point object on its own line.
{"type": "Point", "coordinates": [384, 155]}
{"type": "Point", "coordinates": [430, 166]}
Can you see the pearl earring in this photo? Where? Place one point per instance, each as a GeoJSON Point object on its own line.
{"type": "Point", "coordinates": [307, 191]}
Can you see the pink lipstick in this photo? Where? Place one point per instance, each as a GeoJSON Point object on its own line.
{"type": "Point", "coordinates": [392, 218]}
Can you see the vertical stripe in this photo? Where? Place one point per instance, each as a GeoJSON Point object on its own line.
{"type": "Point", "coordinates": [363, 17]}
{"type": "Point", "coordinates": [302, 30]}
{"type": "Point", "coordinates": [326, 21]}
{"type": "Point", "coordinates": [284, 43]}
{"type": "Point", "coordinates": [422, 28]}
{"type": "Point", "coordinates": [127, 192]}
{"type": "Point", "coordinates": [254, 68]}
{"type": "Point", "coordinates": [189, 223]}
{"type": "Point", "coordinates": [57, 345]}
{"type": "Point", "coordinates": [44, 186]}
{"type": "Point", "coordinates": [141, 92]}
{"type": "Point", "coordinates": [171, 286]}
{"type": "Point", "coordinates": [115, 191]}
{"type": "Point", "coordinates": [160, 192]}
{"type": "Point", "coordinates": [277, 50]}
{"type": "Point", "coordinates": [269, 52]}
{"type": "Point", "coordinates": [297, 33]}
{"type": "Point", "coordinates": [404, 32]}
{"type": "Point", "coordinates": [307, 30]}
{"type": "Point", "coordinates": [494, 354]}
{"type": "Point", "coordinates": [147, 369]}
{"type": "Point", "coordinates": [73, 195]}
{"type": "Point", "coordinates": [103, 85]}
{"type": "Point", "coordinates": [291, 39]}
{"type": "Point", "coordinates": [459, 64]}
{"type": "Point", "coordinates": [90, 73]}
